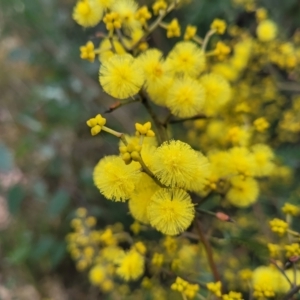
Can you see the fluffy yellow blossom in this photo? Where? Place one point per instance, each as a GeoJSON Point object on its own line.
{"type": "Point", "coordinates": [279, 226]}
{"type": "Point", "coordinates": [261, 124]}
{"type": "Point", "coordinates": [176, 164]}
{"type": "Point", "coordinates": [190, 32]}
{"type": "Point", "coordinates": [173, 29]}
{"type": "Point", "coordinates": [243, 191]}
{"type": "Point", "coordinates": [127, 10]}
{"type": "Point", "coordinates": [186, 288]}
{"type": "Point", "coordinates": [263, 156]}
{"type": "Point", "coordinates": [87, 51]}
{"type": "Point", "coordinates": [186, 58]}
{"type": "Point", "coordinates": [131, 265]}
{"type": "Point", "coordinates": [97, 275]}
{"type": "Point", "coordinates": [115, 180]}
{"type": "Point", "coordinates": [186, 97]}
{"type": "Point", "coordinates": [140, 199]}
{"type": "Point", "coordinates": [292, 250]}
{"type": "Point", "coordinates": [219, 26]}
{"type": "Point", "coordinates": [242, 161]}
{"type": "Point", "coordinates": [171, 211]}
{"type": "Point", "coordinates": [120, 76]}
{"type": "Point", "coordinates": [238, 136]}
{"type": "Point", "coordinates": [266, 31]}
{"type": "Point", "coordinates": [215, 288]}
{"type": "Point", "coordinates": [87, 13]}
{"type": "Point", "coordinates": [218, 92]}
{"type": "Point", "coordinates": [290, 209]}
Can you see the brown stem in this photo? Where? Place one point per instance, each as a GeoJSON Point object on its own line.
{"type": "Point", "coordinates": [119, 104]}
{"type": "Point", "coordinates": [291, 292]}
{"type": "Point", "coordinates": [200, 116]}
{"type": "Point", "coordinates": [208, 251]}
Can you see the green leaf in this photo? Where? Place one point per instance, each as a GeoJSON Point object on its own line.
{"type": "Point", "coordinates": [58, 203]}
{"type": "Point", "coordinates": [43, 247]}
{"type": "Point", "coordinates": [58, 253]}
{"type": "Point", "coordinates": [15, 196]}
{"type": "Point", "coordinates": [6, 159]}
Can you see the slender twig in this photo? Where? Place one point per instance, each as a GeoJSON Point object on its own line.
{"type": "Point", "coordinates": [282, 272]}
{"type": "Point", "coordinates": [291, 292]}
{"type": "Point", "coordinates": [119, 104]}
{"type": "Point", "coordinates": [206, 38]}
{"type": "Point", "coordinates": [200, 116]}
{"type": "Point", "coordinates": [208, 251]}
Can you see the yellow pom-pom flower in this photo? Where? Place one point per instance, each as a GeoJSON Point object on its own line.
{"type": "Point", "coordinates": [243, 191]}
{"type": "Point", "coordinates": [292, 250]}
{"type": "Point", "coordinates": [266, 31]}
{"type": "Point", "coordinates": [143, 14]}
{"type": "Point", "coordinates": [263, 156]}
{"type": "Point", "coordinates": [176, 164]}
{"type": "Point", "coordinates": [105, 48]}
{"type": "Point", "coordinates": [218, 92]}
{"type": "Point", "coordinates": [186, 97]}
{"type": "Point", "coordinates": [186, 58]}
{"type": "Point", "coordinates": [87, 13]}
{"type": "Point", "coordinates": [215, 288]}
{"type": "Point", "coordinates": [116, 180]}
{"type": "Point", "coordinates": [131, 265]}
{"type": "Point", "coordinates": [140, 199]}
{"type": "Point", "coordinates": [97, 275]}
{"type": "Point", "coordinates": [121, 76]}
{"type": "Point", "coordinates": [127, 10]}
{"type": "Point", "coordinates": [158, 6]}
{"type": "Point", "coordinates": [171, 211]}
{"type": "Point", "coordinates": [261, 124]}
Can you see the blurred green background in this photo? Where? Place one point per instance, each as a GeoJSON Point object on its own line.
{"type": "Point", "coordinates": [46, 152]}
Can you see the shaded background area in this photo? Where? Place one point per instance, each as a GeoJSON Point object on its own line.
{"type": "Point", "coordinates": [46, 152]}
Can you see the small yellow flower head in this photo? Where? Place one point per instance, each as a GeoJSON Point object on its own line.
{"type": "Point", "coordinates": [215, 288]}
{"type": "Point", "coordinates": [140, 247]}
{"type": "Point", "coordinates": [243, 191]}
{"type": "Point", "coordinates": [266, 31]}
{"type": "Point", "coordinates": [219, 26]}
{"type": "Point", "coordinates": [87, 13]}
{"type": "Point", "coordinates": [143, 14]}
{"type": "Point", "coordinates": [274, 250]}
{"type": "Point", "coordinates": [186, 58]}
{"type": "Point", "coordinates": [173, 29]}
{"type": "Point", "coordinates": [261, 124]}
{"type": "Point", "coordinates": [87, 52]}
{"type": "Point", "coordinates": [279, 226]}
{"type": "Point", "coordinates": [171, 211]}
{"type": "Point", "coordinates": [91, 221]}
{"type": "Point", "coordinates": [245, 275]}
{"type": "Point", "coordinates": [190, 32]}
{"type": "Point", "coordinates": [131, 265]}
{"type": "Point", "coordinates": [112, 21]}
{"type": "Point", "coordinates": [115, 180]}
{"type": "Point", "coordinates": [261, 14]}
{"type": "Point", "coordinates": [158, 6]}
{"type": "Point", "coordinates": [106, 50]}
{"type": "Point", "coordinates": [176, 164]}
{"type": "Point", "coordinates": [144, 129]}
{"type": "Point", "coordinates": [157, 259]}
{"type": "Point", "coordinates": [232, 296]}
{"type": "Point", "coordinates": [97, 275]}
{"type": "Point", "coordinates": [186, 97]}
{"type": "Point", "coordinates": [238, 136]}
{"type": "Point", "coordinates": [130, 152]}
{"type": "Point", "coordinates": [221, 50]}
{"type": "Point", "coordinates": [292, 250]}
{"type": "Point", "coordinates": [218, 92]}
{"type": "Point", "coordinates": [242, 161]}
{"type": "Point", "coordinates": [290, 209]}
{"type": "Point", "coordinates": [182, 286]}
{"type": "Point", "coordinates": [121, 76]}
{"type": "Point", "coordinates": [191, 290]}
{"type": "Point", "coordinates": [96, 124]}
{"type": "Point", "coordinates": [135, 227]}
{"type": "Point", "coordinates": [127, 10]}
{"type": "Point", "coordinates": [106, 3]}
{"type": "Point", "coordinates": [263, 156]}
{"type": "Point", "coordinates": [81, 212]}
